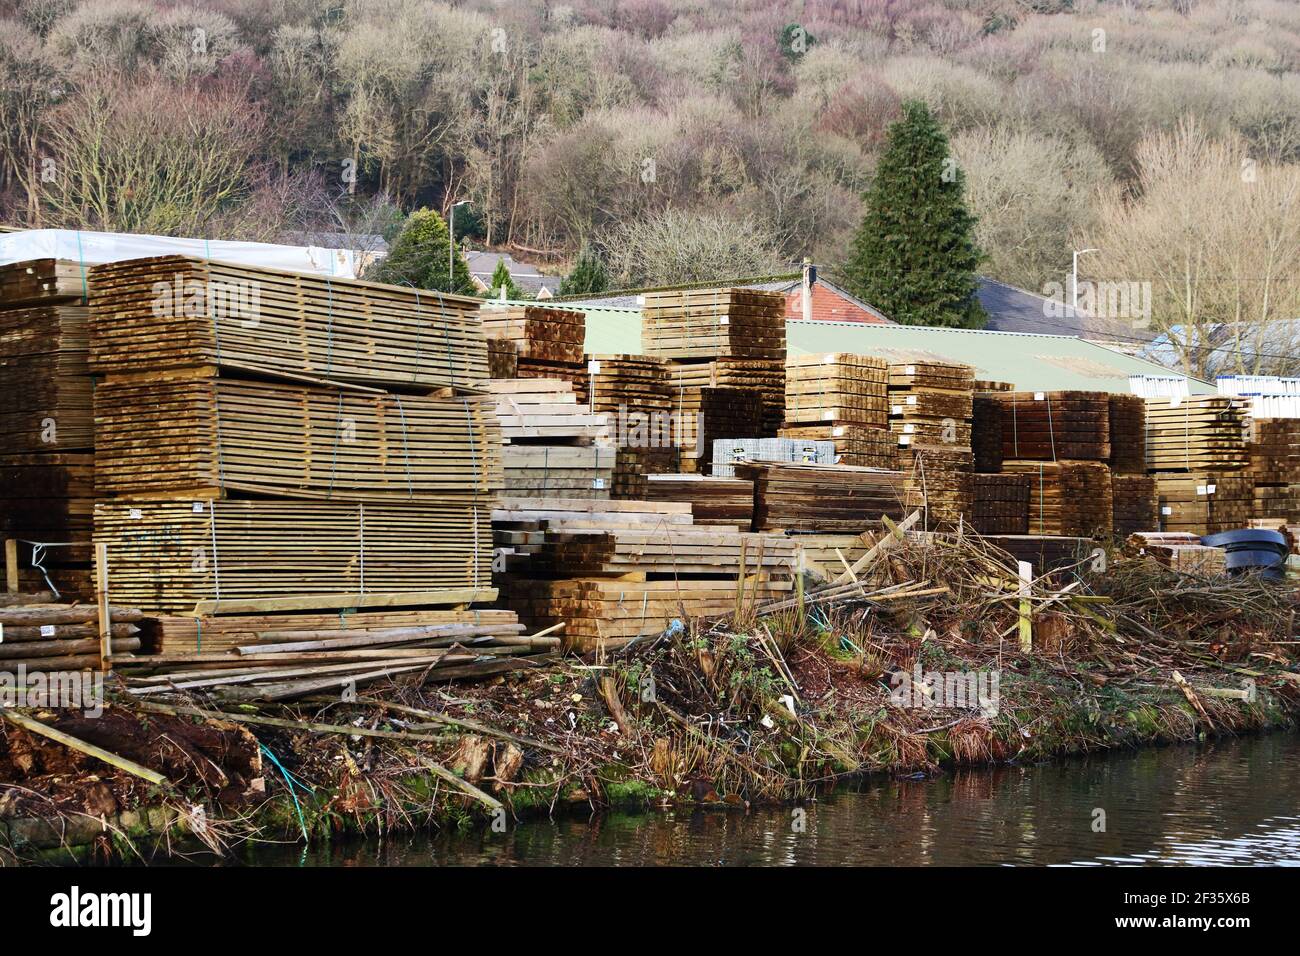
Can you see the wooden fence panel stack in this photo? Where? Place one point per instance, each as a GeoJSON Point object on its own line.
{"type": "Point", "coordinates": [1069, 498]}
{"type": "Point", "coordinates": [272, 440]}
{"type": "Point", "coordinates": [1274, 465]}
{"type": "Point", "coordinates": [46, 424]}
{"type": "Point", "coordinates": [1000, 503]}
{"type": "Point", "coordinates": [1135, 503]}
{"type": "Point", "coordinates": [801, 498]}
{"type": "Point", "coordinates": [842, 398]}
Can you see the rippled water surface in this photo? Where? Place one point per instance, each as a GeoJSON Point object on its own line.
{"type": "Point", "coordinates": [1234, 802]}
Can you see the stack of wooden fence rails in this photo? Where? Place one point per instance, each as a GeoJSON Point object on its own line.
{"type": "Point", "coordinates": [986, 432]}
{"type": "Point", "coordinates": [706, 415]}
{"type": "Point", "coordinates": [1135, 504]}
{"type": "Point", "coordinates": [842, 398]}
{"type": "Point", "coordinates": [41, 635]}
{"type": "Point", "coordinates": [1196, 433]}
{"type": "Point", "coordinates": [1000, 503]}
{"type": "Point", "coordinates": [714, 500]}
{"type": "Point", "coordinates": [610, 587]}
{"type": "Point", "coordinates": [931, 405]}
{"type": "Point", "coordinates": [633, 395]}
{"type": "Point", "coordinates": [1180, 550]}
{"type": "Point", "coordinates": [806, 498]}
{"type": "Point", "coordinates": [1052, 426]}
{"type": "Point", "coordinates": [765, 376]}
{"type": "Point", "coordinates": [707, 324]}
{"type": "Point", "coordinates": [46, 427]}
{"type": "Point", "coordinates": [554, 445]}
{"type": "Point", "coordinates": [1128, 435]}
{"type": "Point", "coordinates": [1273, 454]}
{"type": "Point", "coordinates": [1204, 502]}
{"type": "Point", "coordinates": [548, 342]}
{"type": "Point", "coordinates": [519, 525]}
{"type": "Point", "coordinates": [1070, 498]}
{"type": "Point", "coordinates": [279, 443]}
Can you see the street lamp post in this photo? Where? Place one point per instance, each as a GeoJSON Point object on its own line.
{"type": "Point", "coordinates": [1074, 278]}
{"type": "Point", "coordinates": [451, 243]}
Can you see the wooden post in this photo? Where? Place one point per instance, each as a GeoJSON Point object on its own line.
{"type": "Point", "coordinates": [101, 596]}
{"type": "Point", "coordinates": [1026, 607]}
{"type": "Point", "coordinates": [11, 565]}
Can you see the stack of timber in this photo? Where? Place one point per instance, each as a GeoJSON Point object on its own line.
{"type": "Point", "coordinates": [1198, 433]}
{"type": "Point", "coordinates": [200, 437]}
{"type": "Point", "coordinates": [503, 358]}
{"type": "Point", "coordinates": [702, 416]}
{"type": "Point", "coordinates": [1204, 502]}
{"type": "Point", "coordinates": [554, 446]}
{"type": "Point", "coordinates": [632, 393]}
{"type": "Point", "coordinates": [999, 503]}
{"type": "Point", "coordinates": [801, 498]}
{"type": "Point", "coordinates": [1128, 435]}
{"type": "Point", "coordinates": [548, 342]}
{"type": "Point", "coordinates": [1044, 553]}
{"type": "Point", "coordinates": [1273, 463]}
{"type": "Point", "coordinates": [562, 471]}
{"type": "Point", "coordinates": [1135, 503]}
{"type": "Point", "coordinates": [519, 525]}
{"type": "Point", "coordinates": [937, 478]}
{"type": "Point", "coordinates": [708, 324]}
{"type": "Point", "coordinates": [43, 636]}
{"type": "Point", "coordinates": [986, 432]}
{"type": "Point", "coordinates": [726, 452]}
{"type": "Point", "coordinates": [714, 500]}
{"type": "Point", "coordinates": [765, 376]}
{"type": "Point", "coordinates": [931, 403]}
{"type": "Point", "coordinates": [1052, 426]}
{"type": "Point", "coordinates": [46, 424]}
{"type": "Point", "coordinates": [842, 398]}
{"type": "Point", "coordinates": [1181, 551]}
{"type": "Point", "coordinates": [279, 323]}
{"type": "Point", "coordinates": [282, 656]}
{"type": "Point", "coordinates": [1068, 498]}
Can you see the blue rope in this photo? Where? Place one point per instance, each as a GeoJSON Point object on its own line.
{"type": "Point", "coordinates": [292, 781]}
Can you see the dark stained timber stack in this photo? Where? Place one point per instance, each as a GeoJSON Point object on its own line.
{"type": "Point", "coordinates": [1052, 426]}
{"type": "Point", "coordinates": [172, 312]}
{"type": "Point", "coordinates": [986, 432]}
{"type": "Point", "coordinates": [766, 376]}
{"type": "Point", "coordinates": [1068, 498]}
{"type": "Point", "coordinates": [798, 497]}
{"type": "Point", "coordinates": [1196, 433]}
{"type": "Point", "coordinates": [503, 359]}
{"type": "Point", "coordinates": [708, 324]}
{"type": "Point", "coordinates": [548, 342]}
{"type": "Point", "coordinates": [999, 503]}
{"type": "Point", "coordinates": [938, 479]}
{"type": "Point", "coordinates": [1128, 435]}
{"type": "Point", "coordinates": [1135, 503]}
{"type": "Point", "coordinates": [713, 501]}
{"type": "Point", "coordinates": [46, 424]}
{"type": "Point", "coordinates": [703, 415]}
{"type": "Point", "coordinates": [842, 398]}
{"type": "Point", "coordinates": [1274, 465]}
{"type": "Point", "coordinates": [1204, 502]}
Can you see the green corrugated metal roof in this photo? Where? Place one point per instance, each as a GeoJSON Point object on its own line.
{"type": "Point", "coordinates": [1030, 361]}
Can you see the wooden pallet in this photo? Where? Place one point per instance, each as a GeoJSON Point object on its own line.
{"type": "Point", "coordinates": [177, 312]}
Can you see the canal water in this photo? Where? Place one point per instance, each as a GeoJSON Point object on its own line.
{"type": "Point", "coordinates": [1234, 802]}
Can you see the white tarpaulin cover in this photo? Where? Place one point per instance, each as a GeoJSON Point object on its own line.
{"type": "Point", "coordinates": [92, 248]}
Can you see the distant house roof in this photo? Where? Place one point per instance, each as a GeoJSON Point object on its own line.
{"type": "Point", "coordinates": [526, 277]}
{"type": "Point", "coordinates": [1012, 309]}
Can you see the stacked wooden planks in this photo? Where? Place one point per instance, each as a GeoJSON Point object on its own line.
{"type": "Point", "coordinates": [930, 403]}
{"type": "Point", "coordinates": [713, 500]}
{"type": "Point", "coordinates": [503, 358]}
{"type": "Point", "coordinates": [802, 498]}
{"type": "Point", "coordinates": [1068, 498]}
{"type": "Point", "coordinates": [554, 445]}
{"type": "Point", "coordinates": [1197, 433]}
{"type": "Point", "coordinates": [540, 333]}
{"type": "Point", "coordinates": [1179, 550]}
{"type": "Point", "coordinates": [999, 503]}
{"type": "Point", "coordinates": [667, 551]}
{"type": "Point", "coordinates": [703, 416]}
{"type": "Point", "coordinates": [1052, 426]}
{"type": "Point", "coordinates": [1204, 502]}
{"type": "Point", "coordinates": [46, 424]}
{"type": "Point", "coordinates": [1273, 463]}
{"type": "Point", "coordinates": [44, 636]}
{"type": "Point", "coordinates": [1044, 552]}
{"type": "Point", "coordinates": [1135, 503]}
{"type": "Point", "coordinates": [632, 394]}
{"type": "Point", "coordinates": [562, 471]}
{"type": "Point", "coordinates": [937, 478]}
{"type": "Point", "coordinates": [765, 376]}
{"type": "Point", "coordinates": [203, 437]}
{"type": "Point", "coordinates": [173, 312]}
{"type": "Point", "coordinates": [842, 398]}
{"type": "Point", "coordinates": [1128, 435]}
{"type": "Point", "coordinates": [986, 432]}
{"type": "Point", "coordinates": [708, 324]}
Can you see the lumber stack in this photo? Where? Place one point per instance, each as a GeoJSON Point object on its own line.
{"type": "Point", "coordinates": [937, 478]}
{"type": "Point", "coordinates": [561, 471]}
{"type": "Point", "coordinates": [708, 324]}
{"type": "Point", "coordinates": [1044, 552]}
{"type": "Point", "coordinates": [541, 410]}
{"type": "Point", "coordinates": [930, 403]}
{"type": "Point", "coordinates": [503, 358]}
{"type": "Point", "coordinates": [714, 500]}
{"type": "Point", "coordinates": [540, 333]}
{"type": "Point", "coordinates": [842, 398]}
{"type": "Point", "coordinates": [765, 376]}
{"type": "Point", "coordinates": [1273, 463]}
{"type": "Point", "coordinates": [1068, 498]}
{"type": "Point", "coordinates": [1135, 503]}
{"type": "Point", "coordinates": [1205, 502]}
{"type": "Point", "coordinates": [1180, 550]}
{"type": "Point", "coordinates": [999, 503]}
{"type": "Point", "coordinates": [666, 551]}
{"type": "Point", "coordinates": [704, 415]}
{"type": "Point", "coordinates": [986, 432]}
{"type": "Point", "coordinates": [44, 636]}
{"type": "Point", "coordinates": [1199, 433]}
{"type": "Point", "coordinates": [1128, 435]}
{"type": "Point", "coordinates": [805, 497]}
{"type": "Point", "coordinates": [1052, 426]}
{"type": "Point", "coordinates": [46, 423]}
{"type": "Point", "coordinates": [171, 312]}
